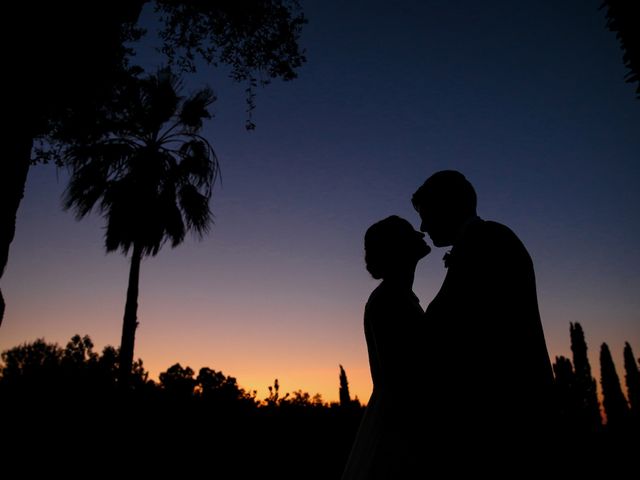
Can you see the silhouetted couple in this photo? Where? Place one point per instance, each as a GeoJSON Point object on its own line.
{"type": "Point", "coordinates": [465, 386]}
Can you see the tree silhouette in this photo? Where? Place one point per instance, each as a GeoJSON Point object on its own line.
{"type": "Point", "coordinates": [178, 382]}
{"type": "Point", "coordinates": [345, 398]}
{"type": "Point", "coordinates": [63, 381]}
{"type": "Point", "coordinates": [66, 59]}
{"type": "Point", "coordinates": [623, 17]}
{"type": "Point", "coordinates": [569, 402]}
{"type": "Point", "coordinates": [31, 365]}
{"type": "Point", "coordinates": [61, 57]}
{"type": "Point", "coordinates": [151, 178]}
{"type": "Point", "coordinates": [274, 399]}
{"type": "Point", "coordinates": [109, 362]}
{"type": "Point", "coordinates": [258, 39]}
{"type": "Point", "coordinates": [615, 405]}
{"type": "Point", "coordinates": [632, 379]}
{"type": "Point", "coordinates": [585, 384]}
{"type": "Point", "coordinates": [216, 388]}
{"type": "Point", "coordinates": [79, 351]}
{"type": "Point", "coordinates": [302, 399]}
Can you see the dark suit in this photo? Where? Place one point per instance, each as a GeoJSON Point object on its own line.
{"type": "Point", "coordinates": [489, 375]}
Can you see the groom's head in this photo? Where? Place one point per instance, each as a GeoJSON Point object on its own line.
{"type": "Point", "coordinates": [445, 201]}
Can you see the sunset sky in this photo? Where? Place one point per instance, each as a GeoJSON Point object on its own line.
{"type": "Point", "coordinates": [527, 99]}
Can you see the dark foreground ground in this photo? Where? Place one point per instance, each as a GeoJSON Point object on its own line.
{"type": "Point", "coordinates": [138, 437]}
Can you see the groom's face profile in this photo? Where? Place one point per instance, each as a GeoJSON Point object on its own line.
{"type": "Point", "coordinates": [437, 224]}
{"type": "Point", "coordinates": [445, 201]}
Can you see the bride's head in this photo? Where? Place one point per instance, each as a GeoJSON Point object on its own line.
{"type": "Point", "coordinates": [392, 246]}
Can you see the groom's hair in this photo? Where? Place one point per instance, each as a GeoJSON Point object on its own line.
{"type": "Point", "coordinates": [447, 187]}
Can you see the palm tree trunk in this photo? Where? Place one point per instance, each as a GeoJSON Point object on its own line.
{"type": "Point", "coordinates": [13, 178]}
{"type": "Point", "coordinates": [130, 322]}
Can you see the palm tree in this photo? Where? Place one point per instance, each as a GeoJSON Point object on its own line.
{"type": "Point", "coordinates": [150, 176]}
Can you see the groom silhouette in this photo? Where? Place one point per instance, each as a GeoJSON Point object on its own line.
{"type": "Point", "coordinates": [489, 374]}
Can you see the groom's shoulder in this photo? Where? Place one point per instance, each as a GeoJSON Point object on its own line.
{"type": "Point", "coordinates": [489, 233]}
{"type": "Point", "coordinates": [500, 236]}
{"type": "Point", "coordinates": [496, 229]}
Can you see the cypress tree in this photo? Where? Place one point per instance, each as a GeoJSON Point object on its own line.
{"type": "Point", "coordinates": [615, 405]}
{"type": "Point", "coordinates": [585, 384]}
{"type": "Point", "coordinates": [345, 398]}
{"type": "Point", "coordinates": [565, 391]}
{"type": "Point", "coordinates": [632, 378]}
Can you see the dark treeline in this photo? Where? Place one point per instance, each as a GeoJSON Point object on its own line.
{"type": "Point", "coordinates": [580, 410]}
{"type": "Point", "coordinates": [600, 434]}
{"type": "Point", "coordinates": [64, 405]}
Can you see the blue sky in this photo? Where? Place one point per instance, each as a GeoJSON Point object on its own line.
{"type": "Point", "coordinates": [527, 99]}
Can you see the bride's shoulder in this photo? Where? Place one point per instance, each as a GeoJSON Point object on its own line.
{"type": "Point", "coordinates": [378, 296]}
{"type": "Point", "coordinates": [383, 297]}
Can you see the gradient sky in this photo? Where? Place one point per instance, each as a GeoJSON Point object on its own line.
{"type": "Point", "coordinates": [527, 99]}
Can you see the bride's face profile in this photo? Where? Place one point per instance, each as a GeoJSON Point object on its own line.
{"type": "Point", "coordinates": [393, 245]}
{"type": "Point", "coordinates": [419, 245]}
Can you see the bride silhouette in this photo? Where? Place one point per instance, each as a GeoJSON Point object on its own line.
{"type": "Point", "coordinates": [385, 443]}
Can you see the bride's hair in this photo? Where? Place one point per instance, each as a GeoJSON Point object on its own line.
{"type": "Point", "coordinates": [384, 243]}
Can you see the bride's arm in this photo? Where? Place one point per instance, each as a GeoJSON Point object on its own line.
{"type": "Point", "coordinates": [391, 331]}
